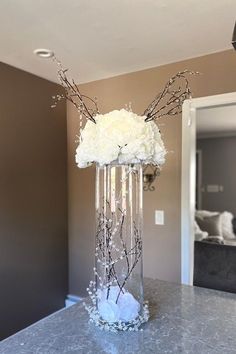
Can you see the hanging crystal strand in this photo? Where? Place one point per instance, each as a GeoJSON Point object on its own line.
{"type": "Point", "coordinates": [80, 126]}
{"type": "Point", "coordinates": [79, 135]}
{"type": "Point", "coordinates": [81, 109]}
{"type": "Point", "coordinates": [117, 294]}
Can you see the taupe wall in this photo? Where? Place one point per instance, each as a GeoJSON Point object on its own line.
{"type": "Point", "coordinates": [33, 200]}
{"type": "Point", "coordinates": [219, 168]}
{"type": "Point", "coordinates": [161, 243]}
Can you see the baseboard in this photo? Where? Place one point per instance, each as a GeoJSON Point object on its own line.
{"type": "Point", "coordinates": [72, 299]}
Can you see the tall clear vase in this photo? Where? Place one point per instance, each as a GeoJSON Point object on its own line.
{"type": "Point", "coordinates": [118, 288]}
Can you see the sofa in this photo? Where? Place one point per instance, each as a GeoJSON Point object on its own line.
{"type": "Point", "coordinates": [215, 266]}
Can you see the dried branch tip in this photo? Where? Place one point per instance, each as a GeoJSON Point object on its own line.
{"type": "Point", "coordinates": [85, 105]}
{"type": "Point", "coordinates": [170, 100]}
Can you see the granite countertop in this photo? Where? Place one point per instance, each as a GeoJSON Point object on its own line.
{"type": "Point", "coordinates": [183, 319]}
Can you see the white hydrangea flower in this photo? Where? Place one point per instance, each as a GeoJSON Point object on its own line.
{"type": "Point", "coordinates": [121, 136]}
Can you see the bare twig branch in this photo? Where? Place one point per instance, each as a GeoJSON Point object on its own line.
{"type": "Point", "coordinates": [170, 100]}
{"type": "Point", "coordinates": [72, 93]}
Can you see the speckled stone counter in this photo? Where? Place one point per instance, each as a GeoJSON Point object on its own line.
{"type": "Point", "coordinates": [183, 320]}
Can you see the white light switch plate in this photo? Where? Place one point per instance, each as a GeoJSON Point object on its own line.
{"type": "Point", "coordinates": [159, 217]}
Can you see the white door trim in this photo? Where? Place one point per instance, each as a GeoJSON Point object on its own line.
{"type": "Point", "coordinates": [188, 179]}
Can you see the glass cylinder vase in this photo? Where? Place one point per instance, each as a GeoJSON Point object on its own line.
{"type": "Point", "coordinates": [118, 287]}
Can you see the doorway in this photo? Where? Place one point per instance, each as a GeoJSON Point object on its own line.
{"type": "Point", "coordinates": [191, 193]}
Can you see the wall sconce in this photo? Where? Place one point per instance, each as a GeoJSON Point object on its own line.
{"type": "Point", "coordinates": [150, 173]}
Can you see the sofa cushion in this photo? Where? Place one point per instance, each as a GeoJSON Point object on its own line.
{"type": "Point", "coordinates": [227, 225]}
{"type": "Point", "coordinates": [211, 224]}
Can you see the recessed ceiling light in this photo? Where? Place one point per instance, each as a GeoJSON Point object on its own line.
{"type": "Point", "coordinates": [44, 53]}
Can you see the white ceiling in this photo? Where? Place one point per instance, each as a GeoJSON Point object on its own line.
{"type": "Point", "coordinates": [103, 38]}
{"type": "Point", "coordinates": [216, 121]}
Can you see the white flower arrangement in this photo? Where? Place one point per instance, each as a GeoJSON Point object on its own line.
{"type": "Point", "coordinates": [120, 136]}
